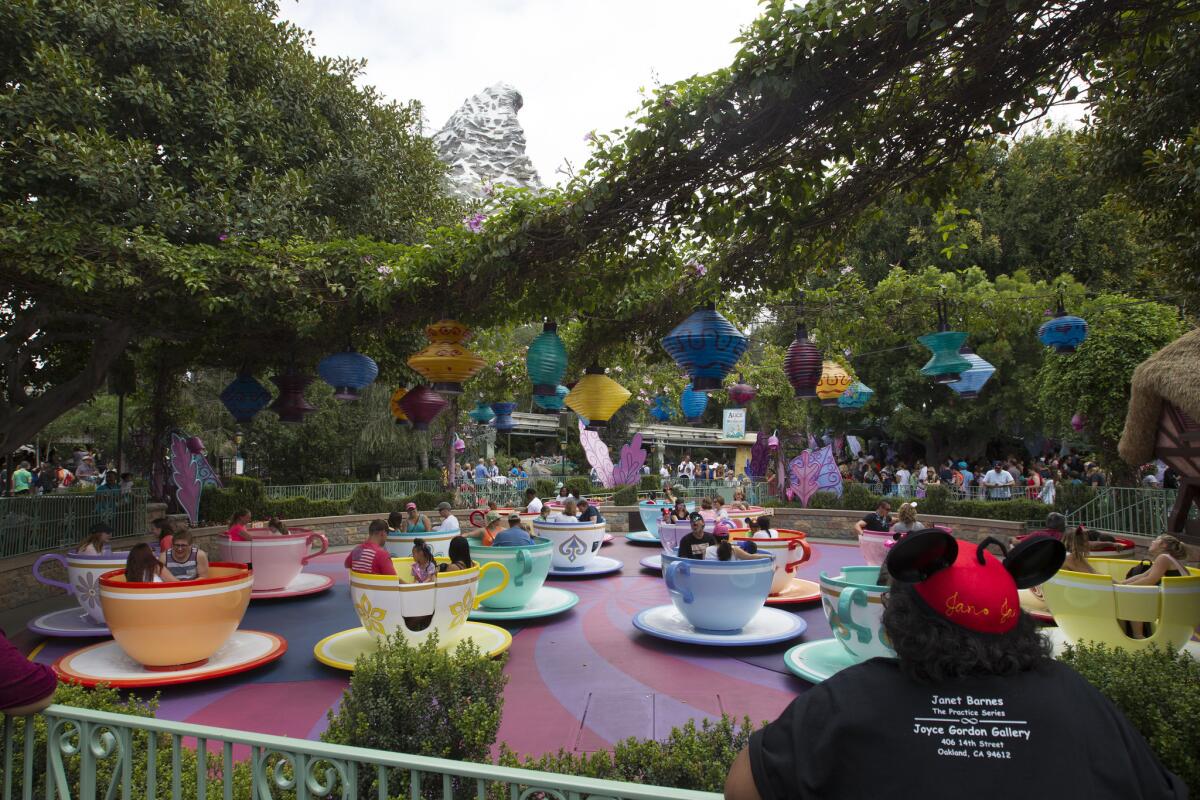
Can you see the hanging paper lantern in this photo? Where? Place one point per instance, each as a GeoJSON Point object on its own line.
{"type": "Point", "coordinates": [445, 362]}
{"type": "Point", "coordinates": [504, 420]}
{"type": "Point", "coordinates": [552, 403]}
{"type": "Point", "coordinates": [546, 361]}
{"type": "Point", "coordinates": [741, 393]}
{"type": "Point", "coordinates": [772, 442]}
{"type": "Point", "coordinates": [244, 397]}
{"type": "Point", "coordinates": [833, 382]}
{"type": "Point", "coordinates": [803, 364]}
{"type": "Point", "coordinates": [1078, 421]}
{"type": "Point", "coordinates": [693, 404]}
{"type": "Point", "coordinates": [596, 397]}
{"type": "Point", "coordinates": [707, 346]}
{"type": "Point", "coordinates": [290, 405]}
{"type": "Point", "coordinates": [394, 405]}
{"type": "Point", "coordinates": [482, 413]}
{"type": "Point", "coordinates": [971, 381]}
{"type": "Point", "coordinates": [348, 372]}
{"type": "Point", "coordinates": [1064, 333]}
{"type": "Point", "coordinates": [946, 365]}
{"type": "Point", "coordinates": [661, 410]}
{"type": "Point", "coordinates": [857, 395]}
{"type": "Point", "coordinates": [459, 444]}
{"type": "Point", "coordinates": [421, 405]}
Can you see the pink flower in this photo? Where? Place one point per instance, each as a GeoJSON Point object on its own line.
{"type": "Point", "coordinates": [384, 269]}
{"type": "Point", "coordinates": [697, 268]}
{"type": "Point", "coordinates": [475, 222]}
{"type": "Point", "coordinates": [590, 136]}
{"type": "Point", "coordinates": [224, 237]}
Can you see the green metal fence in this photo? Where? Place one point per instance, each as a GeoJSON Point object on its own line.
{"type": "Point", "coordinates": [88, 754]}
{"type": "Point", "coordinates": [343, 491]}
{"type": "Point", "coordinates": [53, 521]}
{"type": "Point", "coordinates": [1127, 510]}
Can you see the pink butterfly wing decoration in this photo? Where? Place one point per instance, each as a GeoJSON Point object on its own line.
{"type": "Point", "coordinates": [814, 471]}
{"type": "Point", "coordinates": [629, 469]}
{"type": "Point", "coordinates": [597, 455]}
{"type": "Point", "coordinates": [190, 472]}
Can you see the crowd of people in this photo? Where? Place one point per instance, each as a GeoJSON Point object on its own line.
{"type": "Point", "coordinates": [54, 474]}
{"type": "Point", "coordinates": [687, 471]}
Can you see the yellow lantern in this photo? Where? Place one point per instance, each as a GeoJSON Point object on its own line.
{"type": "Point", "coordinates": [445, 362]}
{"type": "Point", "coordinates": [834, 381]}
{"type": "Point", "coordinates": [596, 397]}
{"type": "Point", "coordinates": [395, 407]}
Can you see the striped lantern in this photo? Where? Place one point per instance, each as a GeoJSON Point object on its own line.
{"type": "Point", "coordinates": [244, 397]}
{"type": "Point", "coordinates": [972, 380]}
{"type": "Point", "coordinates": [546, 361]}
{"type": "Point", "coordinates": [348, 372]}
{"type": "Point", "coordinates": [661, 410]}
{"type": "Point", "coordinates": [706, 346]}
{"type": "Point", "coordinates": [833, 382]}
{"type": "Point", "coordinates": [482, 414]}
{"type": "Point", "coordinates": [445, 362]}
{"type": "Point", "coordinates": [504, 420]}
{"type": "Point", "coordinates": [693, 404]}
{"type": "Point", "coordinates": [946, 365]}
{"type": "Point", "coordinates": [741, 393]}
{"type": "Point", "coordinates": [803, 364]}
{"type": "Point", "coordinates": [1064, 333]}
{"type": "Point", "coordinates": [421, 405]}
{"type": "Point", "coordinates": [290, 405]}
{"type": "Point", "coordinates": [857, 395]}
{"type": "Point", "coordinates": [596, 397]}
{"type": "Point", "coordinates": [552, 403]}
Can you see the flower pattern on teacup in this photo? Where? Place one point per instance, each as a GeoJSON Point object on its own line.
{"type": "Point", "coordinates": [462, 609]}
{"type": "Point", "coordinates": [87, 590]}
{"type": "Point", "coordinates": [372, 616]}
{"type": "Point", "coordinates": [573, 548]}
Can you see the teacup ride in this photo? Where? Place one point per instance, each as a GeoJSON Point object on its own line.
{"type": "Point", "coordinates": [669, 534]}
{"type": "Point", "coordinates": [278, 561]}
{"type": "Point", "coordinates": [1120, 547]}
{"type": "Point", "coordinates": [172, 633]}
{"type": "Point", "coordinates": [525, 596]}
{"type": "Point", "coordinates": [86, 618]}
{"type": "Point", "coordinates": [398, 605]}
{"type": "Point", "coordinates": [874, 545]}
{"type": "Point", "coordinates": [1091, 607]}
{"type": "Point", "coordinates": [853, 604]}
{"type": "Point", "coordinates": [651, 512]}
{"type": "Point", "coordinates": [575, 547]}
{"type": "Point", "coordinates": [790, 549]}
{"type": "Point", "coordinates": [400, 545]}
{"type": "Point", "coordinates": [719, 603]}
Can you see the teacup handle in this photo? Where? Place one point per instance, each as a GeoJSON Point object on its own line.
{"type": "Point", "coordinates": [473, 514]}
{"type": "Point", "coordinates": [320, 537]}
{"type": "Point", "coordinates": [849, 598]}
{"type": "Point", "coordinates": [803, 545]}
{"type": "Point", "coordinates": [40, 578]}
{"type": "Point", "coordinates": [524, 567]}
{"type": "Point", "coordinates": [496, 589]}
{"type": "Point", "coordinates": [683, 569]}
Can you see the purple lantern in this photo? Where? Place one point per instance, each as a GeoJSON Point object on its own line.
{"type": "Point", "coordinates": [1078, 421]}
{"type": "Point", "coordinates": [290, 405]}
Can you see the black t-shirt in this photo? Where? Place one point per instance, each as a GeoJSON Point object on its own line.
{"type": "Point", "coordinates": [871, 732]}
{"type": "Point", "coordinates": [590, 514]}
{"type": "Point", "coordinates": [692, 546]}
{"type": "Point", "coordinates": [878, 523]}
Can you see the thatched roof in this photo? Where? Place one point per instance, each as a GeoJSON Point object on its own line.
{"type": "Point", "coordinates": [1172, 375]}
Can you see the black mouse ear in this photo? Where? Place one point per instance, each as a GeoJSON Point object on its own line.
{"type": "Point", "coordinates": [1035, 560]}
{"type": "Point", "coordinates": [920, 554]}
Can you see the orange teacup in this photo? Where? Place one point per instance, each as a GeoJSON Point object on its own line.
{"type": "Point", "coordinates": [175, 625]}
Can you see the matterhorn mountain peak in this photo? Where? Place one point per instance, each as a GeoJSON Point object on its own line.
{"type": "Point", "coordinates": [483, 144]}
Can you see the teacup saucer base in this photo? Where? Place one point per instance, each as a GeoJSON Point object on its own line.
{"type": "Point", "coordinates": [546, 602]}
{"type": "Point", "coordinates": [107, 663]}
{"type": "Point", "coordinates": [68, 623]}
{"type": "Point", "coordinates": [818, 660]}
{"type": "Point", "coordinates": [600, 565]}
{"type": "Point", "coordinates": [1059, 641]}
{"type": "Point", "coordinates": [608, 539]}
{"type": "Point", "coordinates": [302, 584]}
{"type": "Point", "coordinates": [798, 591]}
{"type": "Point", "coordinates": [768, 626]}
{"type": "Point", "coordinates": [653, 562]}
{"type": "Point", "coordinates": [643, 537]}
{"type": "Point", "coordinates": [342, 649]}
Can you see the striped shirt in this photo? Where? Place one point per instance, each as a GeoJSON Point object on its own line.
{"type": "Point", "coordinates": [183, 570]}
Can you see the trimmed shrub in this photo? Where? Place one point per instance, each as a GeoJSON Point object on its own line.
{"type": "Point", "coordinates": [625, 496]}
{"type": "Point", "coordinates": [857, 497]}
{"type": "Point", "coordinates": [578, 486]}
{"type": "Point", "coordinates": [366, 500]}
{"type": "Point", "coordinates": [1011, 510]}
{"type": "Point", "coordinates": [650, 483]}
{"type": "Point", "coordinates": [1158, 691]}
{"type": "Point", "coordinates": [302, 508]}
{"type": "Point", "coordinates": [936, 501]}
{"type": "Point", "coordinates": [824, 500]}
{"type": "Point", "coordinates": [545, 488]}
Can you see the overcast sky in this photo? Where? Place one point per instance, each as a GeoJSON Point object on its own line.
{"type": "Point", "coordinates": [578, 64]}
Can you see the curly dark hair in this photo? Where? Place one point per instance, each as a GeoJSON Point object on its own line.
{"type": "Point", "coordinates": [932, 649]}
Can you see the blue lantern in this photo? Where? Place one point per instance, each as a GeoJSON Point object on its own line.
{"type": "Point", "coordinates": [504, 420]}
{"type": "Point", "coordinates": [546, 360]}
{"type": "Point", "coordinates": [1064, 333]}
{"type": "Point", "coordinates": [552, 403]}
{"type": "Point", "coordinates": [661, 410]}
{"type": "Point", "coordinates": [706, 346]}
{"type": "Point", "coordinates": [482, 413]}
{"type": "Point", "coordinates": [971, 381]}
{"type": "Point", "coordinates": [348, 372]}
{"type": "Point", "coordinates": [693, 404]}
{"type": "Point", "coordinates": [244, 397]}
{"type": "Point", "coordinates": [857, 395]}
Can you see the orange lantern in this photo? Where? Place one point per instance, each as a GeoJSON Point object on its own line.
{"type": "Point", "coordinates": [445, 362]}
{"type": "Point", "coordinates": [397, 409]}
{"type": "Point", "coordinates": [833, 382]}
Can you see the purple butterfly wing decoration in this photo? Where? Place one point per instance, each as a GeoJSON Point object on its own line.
{"type": "Point", "coordinates": [629, 469]}
{"type": "Point", "coordinates": [756, 468]}
{"type": "Point", "coordinates": [814, 471]}
{"type": "Point", "coordinates": [190, 473]}
{"type": "Point", "coordinates": [597, 455]}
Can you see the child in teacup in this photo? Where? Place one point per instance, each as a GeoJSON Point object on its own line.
{"type": "Point", "coordinates": [424, 569]}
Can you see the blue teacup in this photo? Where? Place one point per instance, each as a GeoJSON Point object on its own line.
{"type": "Point", "coordinates": [527, 567]}
{"type": "Point", "coordinates": [718, 596]}
{"type": "Point", "coordinates": [651, 513]}
{"type": "Point", "coordinates": [853, 603]}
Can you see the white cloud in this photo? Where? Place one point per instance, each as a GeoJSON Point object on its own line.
{"type": "Point", "coordinates": [578, 65]}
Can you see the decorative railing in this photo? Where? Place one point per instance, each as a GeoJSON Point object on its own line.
{"type": "Point", "coordinates": [343, 491]}
{"type": "Point", "coordinates": [1127, 510]}
{"type": "Point", "coordinates": [30, 523]}
{"type": "Point", "coordinates": [82, 753]}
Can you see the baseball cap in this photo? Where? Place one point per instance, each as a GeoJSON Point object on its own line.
{"type": "Point", "coordinates": [721, 528]}
{"type": "Point", "coordinates": [410, 507]}
{"type": "Point", "coordinates": [962, 464]}
{"type": "Point", "coordinates": [514, 517]}
{"type": "Point", "coordinates": [443, 506]}
{"type": "Point", "coordinates": [492, 516]}
{"type": "Point", "coordinates": [695, 515]}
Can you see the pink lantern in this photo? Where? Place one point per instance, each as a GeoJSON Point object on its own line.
{"type": "Point", "coordinates": [773, 442]}
{"type": "Point", "coordinates": [459, 445]}
{"type": "Point", "coordinates": [1078, 421]}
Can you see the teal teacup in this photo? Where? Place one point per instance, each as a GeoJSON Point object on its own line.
{"type": "Point", "coordinates": [527, 567]}
{"type": "Point", "coordinates": [853, 603]}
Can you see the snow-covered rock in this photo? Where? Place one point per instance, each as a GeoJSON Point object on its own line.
{"type": "Point", "coordinates": [484, 144]}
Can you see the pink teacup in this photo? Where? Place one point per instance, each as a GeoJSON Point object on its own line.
{"type": "Point", "coordinates": [276, 559]}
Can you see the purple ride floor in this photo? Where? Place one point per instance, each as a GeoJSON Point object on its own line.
{"type": "Point", "coordinates": [580, 680]}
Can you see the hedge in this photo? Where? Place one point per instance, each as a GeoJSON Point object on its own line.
{"type": "Point", "coordinates": [217, 506]}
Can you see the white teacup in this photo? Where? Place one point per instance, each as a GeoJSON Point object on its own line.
{"type": "Point", "coordinates": [83, 577]}
{"type": "Point", "coordinates": [788, 548]}
{"type": "Point", "coordinates": [400, 545]}
{"type": "Point", "coordinates": [853, 603]}
{"type": "Point", "coordinates": [276, 559]}
{"type": "Point", "coordinates": [575, 544]}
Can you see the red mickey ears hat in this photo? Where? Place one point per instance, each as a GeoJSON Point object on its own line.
{"type": "Point", "coordinates": [965, 583]}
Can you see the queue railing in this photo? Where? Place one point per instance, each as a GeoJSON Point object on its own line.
{"type": "Point", "coordinates": [32, 523]}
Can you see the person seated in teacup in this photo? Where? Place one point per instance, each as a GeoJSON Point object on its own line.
{"type": "Point", "coordinates": [696, 542]}
{"type": "Point", "coordinates": [725, 551]}
{"type": "Point", "coordinates": [763, 529]}
{"type": "Point", "coordinates": [1167, 555]}
{"type": "Point", "coordinates": [739, 501]}
{"type": "Point", "coordinates": [459, 552]}
{"type": "Point", "coordinates": [514, 535]}
{"type": "Point", "coordinates": [569, 513]}
{"type": "Point", "coordinates": [413, 521]}
{"type": "Point", "coordinates": [706, 503]}
{"type": "Point", "coordinates": [424, 569]}
{"type": "Point", "coordinates": [163, 530]}
{"type": "Point", "coordinates": [97, 541]}
{"type": "Point", "coordinates": [276, 524]}
{"type": "Point", "coordinates": [588, 511]}
{"type": "Point", "coordinates": [719, 510]}
{"type": "Point", "coordinates": [142, 566]}
{"type": "Point", "coordinates": [237, 526]}
{"type": "Point", "coordinates": [184, 560]}
{"type": "Point", "coordinates": [546, 512]}
{"type": "Point", "coordinates": [679, 512]}
{"type": "Point", "coordinates": [972, 705]}
{"type": "Point", "coordinates": [533, 503]}
{"type": "Point", "coordinates": [493, 523]}
{"type": "Point", "coordinates": [371, 556]}
{"type": "Point", "coordinates": [879, 521]}
{"type": "Point", "coordinates": [906, 520]}
{"type": "Point", "coordinates": [564, 494]}
{"type": "Point", "coordinates": [449, 522]}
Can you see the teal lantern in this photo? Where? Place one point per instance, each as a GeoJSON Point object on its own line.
{"type": "Point", "coordinates": [552, 403]}
{"type": "Point", "coordinates": [946, 365]}
{"type": "Point", "coordinates": [857, 395]}
{"type": "Point", "coordinates": [482, 413]}
{"type": "Point", "coordinates": [546, 361]}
